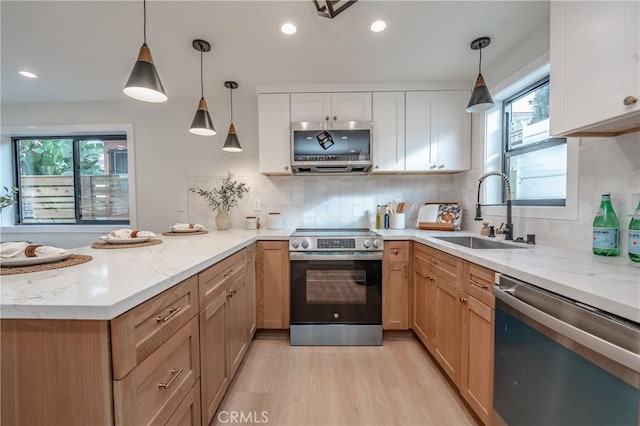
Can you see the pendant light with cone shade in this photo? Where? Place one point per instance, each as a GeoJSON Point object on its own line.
{"type": "Point", "coordinates": [231, 144]}
{"type": "Point", "coordinates": [144, 83]}
{"type": "Point", "coordinates": [202, 124]}
{"type": "Point", "coordinates": [481, 99]}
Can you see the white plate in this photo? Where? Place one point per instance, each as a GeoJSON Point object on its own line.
{"type": "Point", "coordinates": [24, 261]}
{"type": "Point", "coordinates": [182, 230]}
{"type": "Point", "coordinates": [114, 240]}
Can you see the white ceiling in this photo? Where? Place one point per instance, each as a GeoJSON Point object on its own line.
{"type": "Point", "coordinates": [84, 50]}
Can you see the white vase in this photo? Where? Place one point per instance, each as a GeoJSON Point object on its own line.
{"type": "Point", "coordinates": [222, 220]}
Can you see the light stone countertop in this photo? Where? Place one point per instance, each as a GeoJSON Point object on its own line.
{"type": "Point", "coordinates": [119, 279]}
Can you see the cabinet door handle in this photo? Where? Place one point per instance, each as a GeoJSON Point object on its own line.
{"type": "Point", "coordinates": [630, 100]}
{"type": "Point", "coordinates": [404, 271]}
{"type": "Point", "coordinates": [174, 375]}
{"type": "Point", "coordinates": [326, 117]}
{"type": "Point", "coordinates": [286, 167]}
{"type": "Point", "coordinates": [441, 166]}
{"type": "Point", "coordinates": [335, 118]}
{"type": "Point", "coordinates": [477, 284]}
{"type": "Point", "coordinates": [463, 300]}
{"type": "Point", "coordinates": [172, 312]}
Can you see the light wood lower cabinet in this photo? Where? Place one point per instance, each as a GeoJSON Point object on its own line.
{"type": "Point", "coordinates": [154, 389]}
{"type": "Point", "coordinates": [272, 292]}
{"type": "Point", "coordinates": [423, 312]}
{"type": "Point", "coordinates": [55, 372]}
{"type": "Point", "coordinates": [478, 322]}
{"type": "Point", "coordinates": [395, 286]}
{"type": "Point", "coordinates": [224, 328]}
{"type": "Point", "coordinates": [447, 339]}
{"type": "Point", "coordinates": [453, 315]}
{"type": "Point", "coordinates": [251, 289]}
{"type": "Point", "coordinates": [167, 361]}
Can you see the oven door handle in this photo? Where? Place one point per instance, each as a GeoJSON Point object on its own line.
{"type": "Point", "coordinates": [337, 256]}
{"type": "Point", "coordinates": [507, 295]}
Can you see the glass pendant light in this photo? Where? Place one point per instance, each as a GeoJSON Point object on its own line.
{"type": "Point", "coordinates": [202, 124]}
{"type": "Point", "coordinates": [231, 144]}
{"type": "Point", "coordinates": [144, 83]}
{"type": "Point", "coordinates": [481, 99]}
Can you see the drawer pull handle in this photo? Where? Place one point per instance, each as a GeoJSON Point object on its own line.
{"type": "Point", "coordinates": [463, 300]}
{"type": "Point", "coordinates": [172, 313]}
{"type": "Point", "coordinates": [629, 100]}
{"type": "Point", "coordinates": [433, 261]}
{"type": "Point", "coordinates": [174, 375]}
{"type": "Point", "coordinates": [477, 284]}
{"type": "Point", "coordinates": [395, 251]}
{"type": "Point", "coordinates": [229, 273]}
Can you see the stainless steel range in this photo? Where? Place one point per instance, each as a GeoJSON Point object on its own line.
{"type": "Point", "coordinates": [336, 287]}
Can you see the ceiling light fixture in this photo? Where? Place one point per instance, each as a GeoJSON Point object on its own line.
{"type": "Point", "coordinates": [27, 74]}
{"type": "Point", "coordinates": [144, 83]}
{"type": "Point", "coordinates": [378, 26]}
{"type": "Point", "coordinates": [288, 28]}
{"type": "Point", "coordinates": [481, 99]}
{"type": "Point", "coordinates": [202, 124]}
{"type": "Point", "coordinates": [332, 8]}
{"type": "Point", "coordinates": [231, 144]}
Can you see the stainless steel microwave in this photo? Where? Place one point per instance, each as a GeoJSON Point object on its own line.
{"type": "Point", "coordinates": [339, 147]}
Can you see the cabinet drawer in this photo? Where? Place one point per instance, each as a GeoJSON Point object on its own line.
{"type": "Point", "coordinates": [440, 263]}
{"type": "Point", "coordinates": [154, 389]}
{"type": "Point", "coordinates": [212, 281]}
{"type": "Point", "coordinates": [478, 282]}
{"type": "Point", "coordinates": [140, 331]}
{"type": "Point", "coordinates": [396, 251]}
{"type": "Point", "coordinates": [188, 412]}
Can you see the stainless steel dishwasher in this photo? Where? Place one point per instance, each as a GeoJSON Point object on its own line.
{"type": "Point", "coordinates": [560, 362]}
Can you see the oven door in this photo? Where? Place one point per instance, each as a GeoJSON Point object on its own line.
{"type": "Point", "coordinates": [336, 288]}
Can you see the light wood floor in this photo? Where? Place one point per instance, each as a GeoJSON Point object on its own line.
{"type": "Point", "coordinates": [395, 384]}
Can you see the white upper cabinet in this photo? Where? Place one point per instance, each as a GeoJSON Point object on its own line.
{"type": "Point", "coordinates": [438, 131]}
{"type": "Point", "coordinates": [595, 68]}
{"type": "Point", "coordinates": [351, 106]}
{"type": "Point", "coordinates": [388, 132]}
{"type": "Point", "coordinates": [274, 139]}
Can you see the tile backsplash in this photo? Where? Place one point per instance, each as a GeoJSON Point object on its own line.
{"type": "Point", "coordinates": [323, 201]}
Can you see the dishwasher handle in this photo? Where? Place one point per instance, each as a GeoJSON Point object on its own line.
{"type": "Point", "coordinates": [508, 294]}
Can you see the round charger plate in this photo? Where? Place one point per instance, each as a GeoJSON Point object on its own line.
{"type": "Point", "coordinates": [37, 260]}
{"type": "Point", "coordinates": [113, 240]}
{"type": "Point", "coordinates": [186, 231]}
{"type": "Point", "coordinates": [105, 245]}
{"type": "Point", "coordinates": [74, 259]}
{"type": "Point", "coordinates": [184, 234]}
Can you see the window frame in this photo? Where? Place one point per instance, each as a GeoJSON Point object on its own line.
{"type": "Point", "coordinates": [76, 139]}
{"type": "Point", "coordinates": [508, 153]}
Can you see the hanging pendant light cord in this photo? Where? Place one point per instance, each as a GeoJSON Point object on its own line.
{"type": "Point", "coordinates": [480, 63]}
{"type": "Point", "coordinates": [201, 78]}
{"type": "Point", "coordinates": [144, 8]}
{"type": "Point", "coordinates": [231, 94]}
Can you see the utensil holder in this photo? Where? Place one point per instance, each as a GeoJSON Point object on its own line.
{"type": "Point", "coordinates": [397, 221]}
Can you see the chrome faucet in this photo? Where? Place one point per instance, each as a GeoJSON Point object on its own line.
{"type": "Point", "coordinates": [508, 228]}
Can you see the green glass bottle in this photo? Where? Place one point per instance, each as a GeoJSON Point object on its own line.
{"type": "Point", "coordinates": [634, 236]}
{"type": "Point", "coordinates": [606, 229]}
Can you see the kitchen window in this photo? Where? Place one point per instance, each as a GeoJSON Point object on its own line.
{"type": "Point", "coordinates": [535, 162]}
{"type": "Point", "coordinates": [79, 179]}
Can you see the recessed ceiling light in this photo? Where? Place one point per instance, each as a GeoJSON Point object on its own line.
{"type": "Point", "coordinates": [378, 26]}
{"type": "Point", "coordinates": [288, 28]}
{"type": "Point", "coordinates": [27, 74]}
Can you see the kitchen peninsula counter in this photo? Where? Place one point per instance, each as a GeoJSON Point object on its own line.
{"type": "Point", "coordinates": [117, 280]}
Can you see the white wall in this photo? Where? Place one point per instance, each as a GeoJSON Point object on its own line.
{"type": "Point", "coordinates": [169, 160]}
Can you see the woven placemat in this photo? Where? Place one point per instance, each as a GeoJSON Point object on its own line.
{"type": "Point", "coordinates": [72, 260]}
{"type": "Point", "coordinates": [184, 234]}
{"type": "Point", "coordinates": [103, 245]}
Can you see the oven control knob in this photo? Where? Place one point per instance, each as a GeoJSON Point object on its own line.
{"type": "Point", "coordinates": [295, 244]}
{"type": "Point", "coordinates": [336, 315]}
{"type": "Point", "coordinates": [366, 243]}
{"type": "Point", "coordinates": [377, 243]}
{"type": "Point", "coordinates": [305, 244]}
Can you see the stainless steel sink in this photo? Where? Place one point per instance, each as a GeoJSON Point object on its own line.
{"type": "Point", "coordinates": [478, 243]}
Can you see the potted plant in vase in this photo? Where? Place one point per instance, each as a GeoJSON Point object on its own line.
{"type": "Point", "coordinates": [223, 198]}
